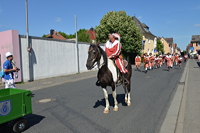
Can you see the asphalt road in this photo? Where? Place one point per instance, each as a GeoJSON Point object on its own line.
{"type": "Point", "coordinates": [77, 107]}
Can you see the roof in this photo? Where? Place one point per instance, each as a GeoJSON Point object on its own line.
{"type": "Point", "coordinates": [169, 41]}
{"type": "Point", "coordinates": [55, 35]}
{"type": "Point", "coordinates": [144, 29]}
{"type": "Point", "coordinates": [92, 34]}
{"type": "Point", "coordinates": [195, 38]}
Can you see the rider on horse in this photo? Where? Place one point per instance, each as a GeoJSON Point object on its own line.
{"type": "Point", "coordinates": [113, 51]}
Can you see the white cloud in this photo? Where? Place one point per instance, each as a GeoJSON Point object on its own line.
{"type": "Point", "coordinates": [197, 25]}
{"type": "Point", "coordinates": [139, 17]}
{"type": "Point", "coordinates": [58, 19]}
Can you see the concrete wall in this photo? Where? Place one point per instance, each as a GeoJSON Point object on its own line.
{"type": "Point", "coordinates": [51, 58]}
{"type": "Point", "coordinates": [47, 58]}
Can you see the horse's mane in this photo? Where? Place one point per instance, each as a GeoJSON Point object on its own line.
{"type": "Point", "coordinates": [103, 53]}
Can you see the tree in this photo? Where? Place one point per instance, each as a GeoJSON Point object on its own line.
{"type": "Point", "coordinates": [83, 36]}
{"type": "Point", "coordinates": [70, 36]}
{"type": "Point", "coordinates": [44, 35]}
{"type": "Point", "coordinates": [123, 24]}
{"type": "Point", "coordinates": [160, 47]}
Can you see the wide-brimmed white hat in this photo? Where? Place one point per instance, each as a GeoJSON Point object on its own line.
{"type": "Point", "coordinates": [8, 54]}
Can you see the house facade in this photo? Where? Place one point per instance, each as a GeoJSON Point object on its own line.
{"type": "Point", "coordinates": [149, 40]}
{"type": "Point", "coordinates": [165, 43]}
{"type": "Point", "coordinates": [170, 42]}
{"type": "Point", "coordinates": [195, 43]}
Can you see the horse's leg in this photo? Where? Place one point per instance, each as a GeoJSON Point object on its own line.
{"type": "Point", "coordinates": [127, 97]}
{"type": "Point", "coordinates": [106, 110]}
{"type": "Point", "coordinates": [126, 94]}
{"type": "Point", "coordinates": [115, 98]}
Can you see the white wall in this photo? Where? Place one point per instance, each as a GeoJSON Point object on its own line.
{"type": "Point", "coordinates": [51, 58]}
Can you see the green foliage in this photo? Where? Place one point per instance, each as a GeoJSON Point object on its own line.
{"type": "Point", "coordinates": [83, 36]}
{"type": "Point", "coordinates": [44, 35]}
{"type": "Point", "coordinates": [70, 36]}
{"type": "Point", "coordinates": [160, 46]}
{"type": "Point", "coordinates": [123, 24]}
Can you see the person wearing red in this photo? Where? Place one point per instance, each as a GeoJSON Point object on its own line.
{"type": "Point", "coordinates": [138, 62]}
{"type": "Point", "coordinates": [113, 51]}
{"type": "Point", "coordinates": [151, 61]}
{"type": "Point", "coordinates": [180, 59]}
{"type": "Point", "coordinates": [176, 58]}
{"type": "Point", "coordinates": [168, 59]}
{"type": "Point", "coordinates": [146, 62]}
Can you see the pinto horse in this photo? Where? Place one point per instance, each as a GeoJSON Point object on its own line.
{"type": "Point", "coordinates": [108, 74]}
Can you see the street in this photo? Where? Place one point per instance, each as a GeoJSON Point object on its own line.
{"type": "Point", "coordinates": [77, 107]}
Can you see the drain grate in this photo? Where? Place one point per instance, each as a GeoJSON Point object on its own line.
{"type": "Point", "coordinates": [45, 100]}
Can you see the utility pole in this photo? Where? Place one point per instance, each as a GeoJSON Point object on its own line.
{"type": "Point", "coordinates": [77, 49]}
{"type": "Point", "coordinates": [27, 41]}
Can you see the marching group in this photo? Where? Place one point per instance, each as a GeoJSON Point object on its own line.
{"type": "Point", "coordinates": [151, 61]}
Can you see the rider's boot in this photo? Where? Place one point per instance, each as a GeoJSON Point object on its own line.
{"type": "Point", "coordinates": [98, 83]}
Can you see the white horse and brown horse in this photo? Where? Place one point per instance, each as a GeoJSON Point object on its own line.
{"type": "Point", "coordinates": [108, 74]}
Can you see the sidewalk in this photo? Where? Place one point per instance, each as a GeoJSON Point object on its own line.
{"type": "Point", "coordinates": [44, 83]}
{"type": "Point", "coordinates": [183, 115]}
{"type": "Point", "coordinates": [189, 115]}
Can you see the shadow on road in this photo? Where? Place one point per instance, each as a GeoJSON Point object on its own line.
{"type": "Point", "coordinates": [31, 121]}
{"type": "Point", "coordinates": [120, 100]}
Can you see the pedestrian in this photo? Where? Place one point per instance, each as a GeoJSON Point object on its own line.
{"type": "Point", "coordinates": [138, 62]}
{"type": "Point", "coordinates": [151, 61]}
{"type": "Point", "coordinates": [176, 59]}
{"type": "Point", "coordinates": [157, 61]}
{"type": "Point", "coordinates": [146, 62]}
{"type": "Point", "coordinates": [168, 59]}
{"type": "Point", "coordinates": [180, 59]}
{"type": "Point", "coordinates": [198, 58]}
{"type": "Point", "coordinates": [9, 70]}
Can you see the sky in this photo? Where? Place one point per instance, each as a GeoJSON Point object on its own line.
{"type": "Point", "coordinates": [177, 19]}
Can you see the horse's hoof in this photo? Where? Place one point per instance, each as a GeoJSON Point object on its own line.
{"type": "Point", "coordinates": [115, 109]}
{"type": "Point", "coordinates": [106, 111]}
{"type": "Point", "coordinates": [125, 100]}
{"type": "Point", "coordinates": [128, 104]}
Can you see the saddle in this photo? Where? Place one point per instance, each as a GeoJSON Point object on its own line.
{"type": "Point", "coordinates": [119, 74]}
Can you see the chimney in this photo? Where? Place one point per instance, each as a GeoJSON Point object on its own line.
{"type": "Point", "coordinates": [51, 33]}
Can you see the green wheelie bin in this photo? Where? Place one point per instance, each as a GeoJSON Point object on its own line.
{"type": "Point", "coordinates": [14, 104]}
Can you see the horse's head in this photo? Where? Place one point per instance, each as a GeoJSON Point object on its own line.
{"type": "Point", "coordinates": [94, 55]}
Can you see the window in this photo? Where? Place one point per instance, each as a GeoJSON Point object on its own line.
{"type": "Point", "coordinates": [198, 44]}
{"type": "Point", "coordinates": [147, 29]}
{"type": "Point", "coordinates": [149, 40]}
{"type": "Point", "coordinates": [155, 41]}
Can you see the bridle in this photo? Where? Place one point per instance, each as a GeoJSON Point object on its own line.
{"type": "Point", "coordinates": [97, 59]}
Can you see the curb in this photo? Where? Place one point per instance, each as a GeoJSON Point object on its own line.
{"type": "Point", "coordinates": [170, 124]}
